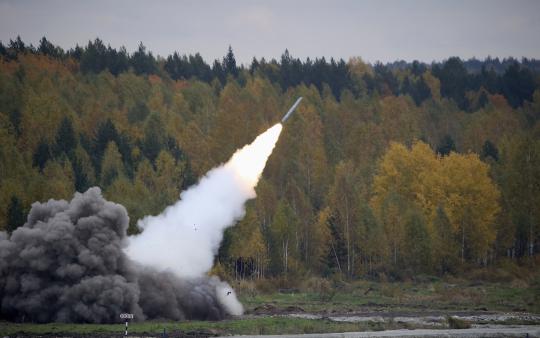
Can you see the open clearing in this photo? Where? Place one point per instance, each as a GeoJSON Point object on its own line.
{"type": "Point", "coordinates": [361, 306]}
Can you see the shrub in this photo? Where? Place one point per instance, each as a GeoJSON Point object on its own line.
{"type": "Point", "coordinates": [246, 287]}
{"type": "Point", "coordinates": [456, 323]}
{"type": "Point", "coordinates": [266, 285]}
{"type": "Point", "coordinates": [322, 287]}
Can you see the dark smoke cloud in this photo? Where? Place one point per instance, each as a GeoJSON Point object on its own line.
{"type": "Point", "coordinates": [67, 264]}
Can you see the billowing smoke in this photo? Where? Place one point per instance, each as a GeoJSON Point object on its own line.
{"type": "Point", "coordinates": [72, 261]}
{"type": "Point", "coordinates": [186, 236]}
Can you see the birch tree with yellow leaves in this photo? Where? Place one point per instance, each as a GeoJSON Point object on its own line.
{"type": "Point", "coordinates": [459, 183]}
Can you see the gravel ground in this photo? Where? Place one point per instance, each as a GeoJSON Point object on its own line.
{"type": "Point", "coordinates": [501, 331]}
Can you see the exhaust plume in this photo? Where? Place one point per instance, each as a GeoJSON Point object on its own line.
{"type": "Point", "coordinates": [72, 261]}
{"type": "Point", "coordinates": [185, 238]}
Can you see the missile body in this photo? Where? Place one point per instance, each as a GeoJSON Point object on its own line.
{"type": "Point", "coordinates": [291, 110]}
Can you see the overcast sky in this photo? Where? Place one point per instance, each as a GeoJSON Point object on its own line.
{"type": "Point", "coordinates": [374, 30]}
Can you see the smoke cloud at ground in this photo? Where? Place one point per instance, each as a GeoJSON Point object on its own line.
{"type": "Point", "coordinates": [67, 264]}
{"type": "Point", "coordinates": [72, 261]}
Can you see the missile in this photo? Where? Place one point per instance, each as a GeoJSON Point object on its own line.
{"type": "Point", "coordinates": [291, 110]}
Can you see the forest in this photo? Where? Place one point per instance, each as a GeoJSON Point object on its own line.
{"type": "Point", "coordinates": [386, 169]}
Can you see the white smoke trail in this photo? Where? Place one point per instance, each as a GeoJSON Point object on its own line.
{"type": "Point", "coordinates": [185, 237]}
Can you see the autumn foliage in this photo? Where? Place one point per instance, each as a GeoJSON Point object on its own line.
{"type": "Point", "coordinates": [388, 171]}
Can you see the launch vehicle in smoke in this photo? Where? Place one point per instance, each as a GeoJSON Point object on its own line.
{"type": "Point", "coordinates": [291, 110]}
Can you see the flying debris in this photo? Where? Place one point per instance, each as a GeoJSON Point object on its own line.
{"type": "Point", "coordinates": [291, 110]}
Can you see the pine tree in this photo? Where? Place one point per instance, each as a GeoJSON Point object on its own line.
{"type": "Point", "coordinates": [18, 46]}
{"type": "Point", "coordinates": [454, 81]}
{"type": "Point", "coordinates": [518, 85]}
{"type": "Point", "coordinates": [47, 48]}
{"type": "Point", "coordinates": [3, 50]}
{"type": "Point", "coordinates": [81, 179]}
{"type": "Point", "coordinates": [154, 140]}
{"type": "Point", "coordinates": [106, 133]}
{"type": "Point", "coordinates": [254, 66]}
{"type": "Point", "coordinates": [422, 91]}
{"type": "Point", "coordinates": [446, 146]}
{"type": "Point", "coordinates": [111, 165]}
{"type": "Point", "coordinates": [65, 138]}
{"type": "Point", "coordinates": [15, 215]}
{"type": "Point", "coordinates": [93, 57]}
{"type": "Point", "coordinates": [229, 63]}
{"type": "Point", "coordinates": [142, 62]}
{"type": "Point", "coordinates": [41, 155]}
{"type": "Point", "coordinates": [490, 150]}
{"type": "Point", "coordinates": [15, 119]}
{"type": "Point", "coordinates": [219, 72]}
{"type": "Point", "coordinates": [483, 100]}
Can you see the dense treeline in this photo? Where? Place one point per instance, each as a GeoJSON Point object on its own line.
{"type": "Point", "coordinates": [510, 78]}
{"type": "Point", "coordinates": [384, 169]}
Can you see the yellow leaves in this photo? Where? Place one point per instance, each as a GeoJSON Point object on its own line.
{"type": "Point", "coordinates": [266, 97]}
{"type": "Point", "coordinates": [59, 178]}
{"type": "Point", "coordinates": [41, 116]}
{"type": "Point", "coordinates": [145, 174]}
{"type": "Point", "coordinates": [86, 164]}
{"type": "Point", "coordinates": [195, 144]}
{"type": "Point", "coordinates": [168, 176]}
{"type": "Point", "coordinates": [284, 221]}
{"type": "Point", "coordinates": [472, 200]}
{"type": "Point", "coordinates": [37, 67]}
{"type": "Point", "coordinates": [322, 226]}
{"type": "Point", "coordinates": [111, 166]}
{"type": "Point", "coordinates": [156, 101]}
{"type": "Point", "coordinates": [342, 196]}
{"type": "Point", "coordinates": [359, 68]}
{"type": "Point", "coordinates": [492, 123]}
{"type": "Point", "coordinates": [459, 183]}
{"type": "Point", "coordinates": [134, 196]}
{"type": "Point", "coordinates": [266, 201]}
{"type": "Point", "coordinates": [434, 85]}
{"type": "Point", "coordinates": [399, 118]}
{"type": "Point", "coordinates": [237, 121]}
{"type": "Point", "coordinates": [247, 238]}
{"type": "Point", "coordinates": [403, 171]}
{"type": "Point", "coordinates": [520, 182]}
{"type": "Point", "coordinates": [166, 166]}
{"type": "Point", "coordinates": [312, 162]}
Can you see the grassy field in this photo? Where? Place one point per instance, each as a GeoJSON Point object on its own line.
{"type": "Point", "coordinates": [264, 325]}
{"type": "Point", "coordinates": [437, 295]}
{"type": "Point", "coordinates": [266, 311]}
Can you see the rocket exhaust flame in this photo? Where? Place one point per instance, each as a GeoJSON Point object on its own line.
{"type": "Point", "coordinates": [248, 163]}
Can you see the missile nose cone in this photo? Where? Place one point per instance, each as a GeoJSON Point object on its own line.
{"type": "Point", "coordinates": [291, 110]}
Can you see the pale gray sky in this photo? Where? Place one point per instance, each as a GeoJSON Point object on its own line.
{"type": "Point", "coordinates": [374, 30]}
